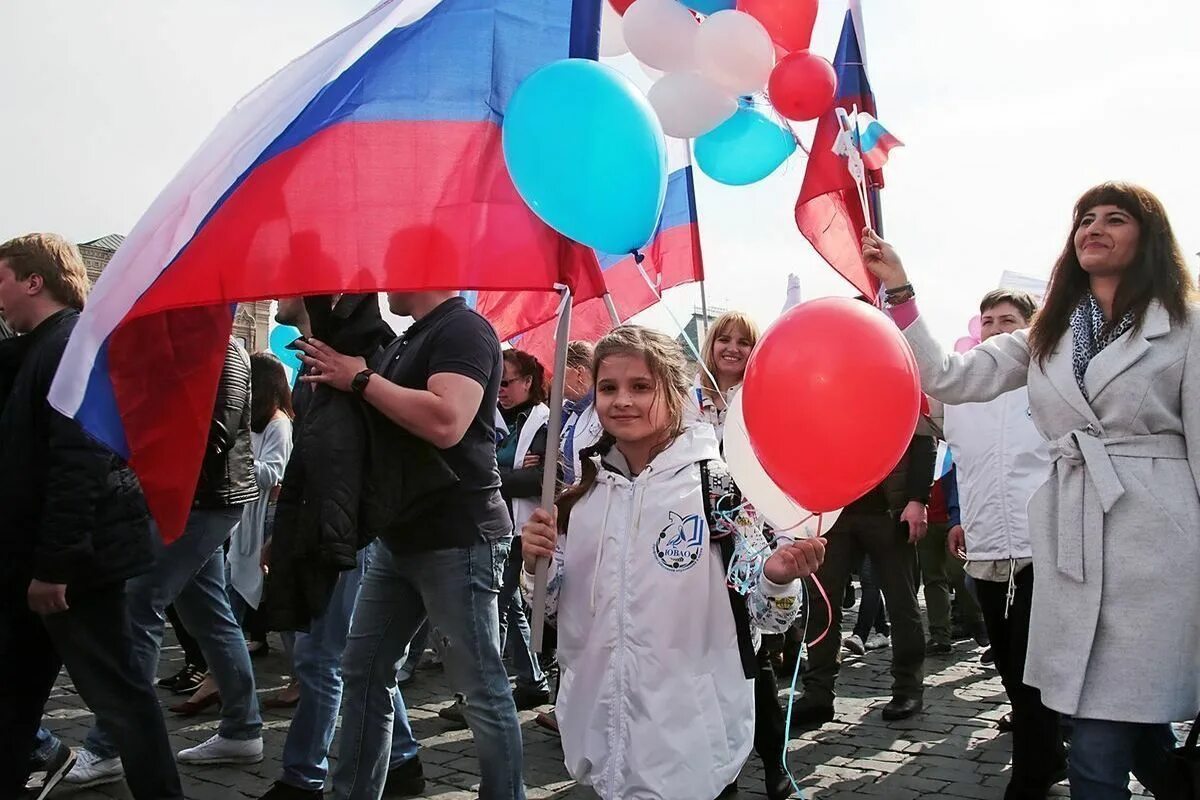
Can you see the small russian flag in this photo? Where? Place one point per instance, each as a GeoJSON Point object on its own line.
{"type": "Point", "coordinates": [874, 141]}
{"type": "Point", "coordinates": [944, 462]}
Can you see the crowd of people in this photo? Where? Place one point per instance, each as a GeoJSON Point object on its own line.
{"type": "Point", "coordinates": [392, 499]}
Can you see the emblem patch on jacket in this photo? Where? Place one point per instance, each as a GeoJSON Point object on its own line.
{"type": "Point", "coordinates": [680, 544]}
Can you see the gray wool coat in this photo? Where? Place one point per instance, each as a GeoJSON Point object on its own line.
{"type": "Point", "coordinates": [1115, 632]}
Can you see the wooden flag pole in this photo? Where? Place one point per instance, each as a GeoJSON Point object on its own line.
{"type": "Point", "coordinates": [550, 465]}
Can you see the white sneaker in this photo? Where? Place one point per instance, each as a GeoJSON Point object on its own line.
{"type": "Point", "coordinates": [92, 770]}
{"type": "Point", "coordinates": [854, 644]}
{"type": "Point", "coordinates": [877, 641]}
{"type": "Point", "coordinates": [219, 750]}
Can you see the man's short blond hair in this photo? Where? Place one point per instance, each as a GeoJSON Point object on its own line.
{"type": "Point", "coordinates": [55, 260]}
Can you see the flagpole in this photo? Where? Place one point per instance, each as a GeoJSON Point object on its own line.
{"type": "Point", "coordinates": [550, 462]}
{"type": "Point", "coordinates": [612, 309]}
{"type": "Point", "coordinates": [703, 312]}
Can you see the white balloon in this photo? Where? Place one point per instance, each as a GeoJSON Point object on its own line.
{"type": "Point", "coordinates": [689, 104]}
{"type": "Point", "coordinates": [786, 516]}
{"type": "Point", "coordinates": [612, 39]}
{"type": "Point", "coordinates": [662, 34]}
{"type": "Point", "coordinates": [735, 50]}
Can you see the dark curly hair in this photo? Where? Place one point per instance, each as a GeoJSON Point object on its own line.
{"type": "Point", "coordinates": [529, 367]}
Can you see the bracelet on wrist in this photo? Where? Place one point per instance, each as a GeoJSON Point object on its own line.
{"type": "Point", "coordinates": [899, 298]}
{"type": "Point", "coordinates": [908, 287]}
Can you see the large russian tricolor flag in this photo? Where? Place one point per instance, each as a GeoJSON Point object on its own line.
{"type": "Point", "coordinates": [373, 162]}
{"type": "Point", "coordinates": [828, 211]}
{"type": "Point", "coordinates": [672, 257]}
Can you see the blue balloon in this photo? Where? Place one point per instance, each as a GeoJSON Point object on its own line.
{"type": "Point", "coordinates": [710, 6]}
{"type": "Point", "coordinates": [281, 337]}
{"type": "Point", "coordinates": [744, 149]}
{"type": "Point", "coordinates": [587, 154]}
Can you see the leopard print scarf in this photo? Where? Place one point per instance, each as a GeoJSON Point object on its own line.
{"type": "Point", "coordinates": [1091, 333]}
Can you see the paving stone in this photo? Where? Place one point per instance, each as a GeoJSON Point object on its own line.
{"type": "Point", "coordinates": [952, 750]}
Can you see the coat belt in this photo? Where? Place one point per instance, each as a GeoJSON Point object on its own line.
{"type": "Point", "coordinates": [1082, 454]}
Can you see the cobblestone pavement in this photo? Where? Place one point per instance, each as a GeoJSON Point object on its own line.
{"type": "Point", "coordinates": [952, 750]}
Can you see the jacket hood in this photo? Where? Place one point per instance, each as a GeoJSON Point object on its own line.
{"type": "Point", "coordinates": [354, 325]}
{"type": "Point", "coordinates": [698, 442]}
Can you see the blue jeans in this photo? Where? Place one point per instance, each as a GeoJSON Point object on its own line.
{"type": "Point", "coordinates": [190, 572]}
{"type": "Point", "coordinates": [514, 627]}
{"type": "Point", "coordinates": [458, 588]}
{"type": "Point", "coordinates": [1104, 753]}
{"type": "Point", "coordinates": [318, 666]}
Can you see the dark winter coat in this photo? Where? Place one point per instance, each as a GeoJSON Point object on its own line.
{"type": "Point", "coordinates": [73, 511]}
{"type": "Point", "coordinates": [317, 532]}
{"type": "Point", "coordinates": [227, 474]}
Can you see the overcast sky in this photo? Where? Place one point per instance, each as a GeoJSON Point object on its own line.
{"type": "Point", "coordinates": [1009, 111]}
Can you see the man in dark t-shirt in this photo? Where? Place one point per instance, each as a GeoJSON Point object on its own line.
{"type": "Point", "coordinates": [438, 382]}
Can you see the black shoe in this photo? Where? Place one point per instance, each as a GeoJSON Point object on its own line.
{"type": "Point", "coordinates": [779, 787]}
{"type": "Point", "coordinates": [282, 791]}
{"type": "Point", "coordinates": [902, 708]}
{"type": "Point", "coordinates": [938, 648]}
{"type": "Point", "coordinates": [981, 636]}
{"type": "Point", "coordinates": [528, 699]}
{"type": "Point", "coordinates": [406, 780]}
{"type": "Point", "coordinates": [811, 717]}
{"type": "Point", "coordinates": [186, 681]}
{"type": "Point", "coordinates": [1005, 725]}
{"type": "Point", "coordinates": [453, 713]}
{"type": "Point", "coordinates": [43, 781]}
{"type": "Point", "coordinates": [987, 657]}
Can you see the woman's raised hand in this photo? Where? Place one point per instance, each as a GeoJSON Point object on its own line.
{"type": "Point", "coordinates": [881, 259]}
{"type": "Point", "coordinates": [538, 537]}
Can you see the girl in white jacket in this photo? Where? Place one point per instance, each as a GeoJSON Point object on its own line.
{"type": "Point", "coordinates": [654, 701]}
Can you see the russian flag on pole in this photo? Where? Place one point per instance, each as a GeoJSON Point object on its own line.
{"type": "Point", "coordinates": [673, 257]}
{"type": "Point", "coordinates": [874, 140]}
{"type": "Point", "coordinates": [828, 212]}
{"type": "Point", "coordinates": [371, 163]}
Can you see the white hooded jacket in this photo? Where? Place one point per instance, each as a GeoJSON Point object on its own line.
{"type": "Point", "coordinates": [1001, 460]}
{"type": "Point", "coordinates": [653, 702]}
{"type": "Point", "coordinates": [523, 507]}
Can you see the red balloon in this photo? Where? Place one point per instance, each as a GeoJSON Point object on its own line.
{"type": "Point", "coordinates": [831, 399]}
{"type": "Point", "coordinates": [790, 22]}
{"type": "Point", "coordinates": [802, 86]}
{"type": "Point", "coordinates": [621, 6]}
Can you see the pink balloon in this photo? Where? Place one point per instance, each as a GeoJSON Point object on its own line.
{"type": "Point", "coordinates": [965, 344]}
{"type": "Point", "coordinates": [975, 327]}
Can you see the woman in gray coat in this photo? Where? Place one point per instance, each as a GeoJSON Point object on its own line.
{"type": "Point", "coordinates": [1113, 369]}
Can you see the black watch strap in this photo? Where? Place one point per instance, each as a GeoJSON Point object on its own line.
{"type": "Point", "coordinates": [359, 384]}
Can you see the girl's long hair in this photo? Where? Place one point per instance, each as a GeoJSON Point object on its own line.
{"type": "Point", "coordinates": [667, 364]}
{"type": "Point", "coordinates": [733, 323]}
{"type": "Point", "coordinates": [1158, 271]}
{"type": "Point", "coordinates": [269, 391]}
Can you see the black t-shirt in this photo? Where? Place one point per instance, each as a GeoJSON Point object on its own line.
{"type": "Point", "coordinates": [454, 339]}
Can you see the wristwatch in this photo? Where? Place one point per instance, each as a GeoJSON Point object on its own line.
{"type": "Point", "coordinates": [359, 384]}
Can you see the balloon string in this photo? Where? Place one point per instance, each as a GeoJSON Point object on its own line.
{"type": "Point", "coordinates": [800, 658]}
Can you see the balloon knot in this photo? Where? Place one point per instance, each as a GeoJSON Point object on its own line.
{"type": "Point", "coordinates": [639, 256]}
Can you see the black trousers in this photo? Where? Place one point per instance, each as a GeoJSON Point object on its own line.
{"type": "Point", "coordinates": [769, 740]}
{"type": "Point", "coordinates": [894, 562]}
{"type": "Point", "coordinates": [192, 654]}
{"type": "Point", "coordinates": [1037, 738]}
{"type": "Point", "coordinates": [93, 640]}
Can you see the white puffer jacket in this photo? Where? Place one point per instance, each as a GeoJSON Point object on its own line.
{"type": "Point", "coordinates": [653, 703]}
{"type": "Point", "coordinates": [1001, 460]}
